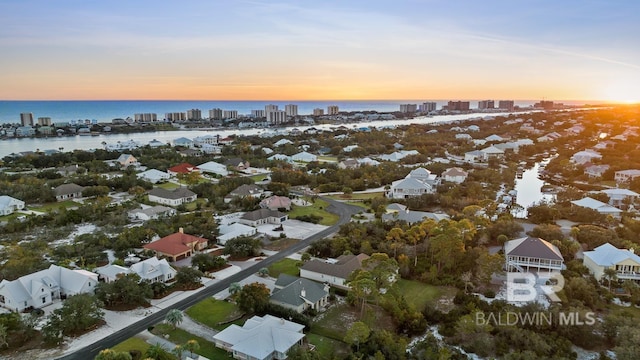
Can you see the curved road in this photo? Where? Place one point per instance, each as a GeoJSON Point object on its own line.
{"type": "Point", "coordinates": [345, 212]}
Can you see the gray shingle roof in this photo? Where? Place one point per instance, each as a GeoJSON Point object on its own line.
{"type": "Point", "coordinates": [66, 189]}
{"type": "Point", "coordinates": [293, 289]}
{"type": "Point", "coordinates": [343, 268]}
{"type": "Point", "coordinates": [178, 193]}
{"type": "Point", "coordinates": [261, 214]}
{"type": "Point", "coordinates": [534, 248]}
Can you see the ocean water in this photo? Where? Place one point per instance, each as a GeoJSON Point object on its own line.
{"type": "Point", "coordinates": [107, 110]}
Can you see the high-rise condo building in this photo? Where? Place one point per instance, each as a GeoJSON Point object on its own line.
{"type": "Point", "coordinates": [145, 117]}
{"type": "Point", "coordinates": [44, 121]}
{"type": "Point", "coordinates": [545, 104]}
{"type": "Point", "coordinates": [175, 116]}
{"type": "Point", "coordinates": [291, 110]}
{"type": "Point", "coordinates": [256, 114]}
{"type": "Point", "coordinates": [408, 108]}
{"type": "Point", "coordinates": [458, 106]}
{"type": "Point", "coordinates": [276, 117]}
{"type": "Point", "coordinates": [230, 114]}
{"type": "Point", "coordinates": [428, 106]}
{"type": "Point", "coordinates": [270, 107]}
{"type": "Point", "coordinates": [506, 105]}
{"type": "Point", "coordinates": [26, 119]}
{"type": "Point", "coordinates": [215, 114]}
{"type": "Point", "coordinates": [333, 110]}
{"type": "Point", "coordinates": [194, 114]}
{"type": "Point", "coordinates": [318, 112]}
{"type": "Point", "coordinates": [486, 104]}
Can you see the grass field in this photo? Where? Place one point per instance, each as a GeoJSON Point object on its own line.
{"type": "Point", "coordinates": [317, 208]}
{"type": "Point", "coordinates": [133, 343]}
{"type": "Point", "coordinates": [328, 348]}
{"type": "Point", "coordinates": [258, 177]}
{"type": "Point", "coordinates": [420, 294]}
{"type": "Point", "coordinates": [284, 266]}
{"type": "Point", "coordinates": [328, 158]}
{"type": "Point", "coordinates": [54, 206]}
{"type": "Point", "coordinates": [358, 196]}
{"type": "Point", "coordinates": [336, 321]}
{"type": "Point", "coordinates": [168, 185]}
{"type": "Point", "coordinates": [179, 337]}
{"type": "Point", "coordinates": [210, 312]}
{"type": "Point", "coordinates": [194, 204]}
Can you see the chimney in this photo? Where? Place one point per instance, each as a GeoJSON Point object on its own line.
{"type": "Point", "coordinates": [632, 250]}
{"type": "Point", "coordinates": [303, 293]}
{"type": "Point", "coordinates": [181, 230]}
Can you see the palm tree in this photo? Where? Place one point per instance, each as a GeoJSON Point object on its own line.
{"type": "Point", "coordinates": [156, 351]}
{"type": "Point", "coordinates": [191, 346]}
{"type": "Point", "coordinates": [177, 351]}
{"type": "Point", "coordinates": [234, 287]}
{"type": "Point", "coordinates": [174, 317]}
{"type": "Point", "coordinates": [610, 274]}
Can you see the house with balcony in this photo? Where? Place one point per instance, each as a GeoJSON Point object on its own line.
{"type": "Point", "coordinates": [532, 254]}
{"type": "Point", "coordinates": [177, 246]}
{"type": "Point", "coordinates": [625, 262]}
{"type": "Point", "coordinates": [624, 176]}
{"type": "Point", "coordinates": [418, 182]}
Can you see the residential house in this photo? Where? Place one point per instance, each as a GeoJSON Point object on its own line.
{"type": "Point", "coordinates": [549, 137]}
{"type": "Point", "coordinates": [348, 164]}
{"type": "Point", "coordinates": [177, 246]}
{"type": "Point", "coordinates": [206, 139]}
{"type": "Point", "coordinates": [282, 142]}
{"type": "Point", "coordinates": [620, 197]}
{"type": "Point", "coordinates": [211, 149]}
{"type": "Point", "coordinates": [175, 197]}
{"type": "Point", "coordinates": [528, 253]}
{"type": "Point", "coordinates": [463, 137]}
{"type": "Point", "coordinates": [245, 190]}
{"type": "Point", "coordinates": [68, 191]}
{"type": "Point", "coordinates": [156, 143]}
{"type": "Point", "coordinates": [299, 294]}
{"type": "Point", "coordinates": [237, 164]}
{"type": "Point", "coordinates": [598, 206]}
{"type": "Point", "coordinates": [623, 176]}
{"type": "Point", "coordinates": [473, 156]}
{"type": "Point", "coordinates": [263, 216]}
{"type": "Point", "coordinates": [183, 168]}
{"type": "Point", "coordinates": [585, 156]}
{"type": "Point", "coordinates": [595, 171]}
{"type": "Point", "coordinates": [154, 270]}
{"type": "Point", "coordinates": [418, 182]}
{"type": "Point", "coordinates": [151, 213]}
{"type": "Point", "coordinates": [368, 161]}
{"type": "Point", "coordinates": [276, 203]}
{"type": "Point", "coordinates": [232, 231]}
{"type": "Point", "coordinates": [154, 176]}
{"type": "Point", "coordinates": [9, 204]}
{"type": "Point", "coordinates": [126, 160]}
{"type": "Point", "coordinates": [260, 338]}
{"type": "Point", "coordinates": [213, 167]}
{"type": "Point", "coordinates": [410, 216]}
{"type": "Point", "coordinates": [39, 289]}
{"type": "Point", "coordinates": [25, 131]}
{"type": "Point", "coordinates": [335, 272]}
{"type": "Point", "coordinates": [110, 273]}
{"type": "Point", "coordinates": [190, 153]}
{"type": "Point", "coordinates": [625, 262]}
{"type": "Point", "coordinates": [491, 152]}
{"type": "Point", "coordinates": [280, 157]}
{"type": "Point", "coordinates": [398, 155]}
{"type": "Point", "coordinates": [304, 157]}
{"type": "Point", "coordinates": [494, 137]}
{"type": "Point", "coordinates": [184, 142]}
{"type": "Point", "coordinates": [455, 174]}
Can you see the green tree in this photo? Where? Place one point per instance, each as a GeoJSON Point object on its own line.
{"type": "Point", "coordinates": [191, 346]}
{"type": "Point", "coordinates": [174, 317]}
{"type": "Point", "coordinates": [77, 314]}
{"type": "Point", "coordinates": [3, 336]}
{"type": "Point", "coordinates": [253, 298]}
{"type": "Point", "coordinates": [188, 277]}
{"type": "Point", "coordinates": [242, 247]}
{"type": "Point", "coordinates": [298, 352]}
{"type": "Point", "coordinates": [396, 237]}
{"type": "Point", "coordinates": [127, 290]}
{"type": "Point", "coordinates": [610, 274]}
{"type": "Point", "coordinates": [362, 287]}
{"type": "Point", "coordinates": [357, 334]}
{"type": "Point", "coordinates": [108, 354]}
{"type": "Point", "coordinates": [234, 288]}
{"type": "Point", "coordinates": [157, 352]}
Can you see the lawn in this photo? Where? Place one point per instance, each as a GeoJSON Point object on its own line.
{"type": "Point", "coordinates": [54, 206]}
{"type": "Point", "coordinates": [194, 204]}
{"type": "Point", "coordinates": [259, 177]}
{"type": "Point", "coordinates": [168, 185]}
{"type": "Point", "coordinates": [417, 293]}
{"type": "Point", "coordinates": [179, 337]}
{"type": "Point", "coordinates": [358, 196]}
{"type": "Point", "coordinates": [328, 348]}
{"type": "Point", "coordinates": [316, 208]}
{"type": "Point", "coordinates": [284, 266]}
{"type": "Point", "coordinates": [210, 312]}
{"type": "Point", "coordinates": [133, 343]}
{"type": "Point", "coordinates": [328, 158]}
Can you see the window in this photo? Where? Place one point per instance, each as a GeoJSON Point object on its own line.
{"type": "Point", "coordinates": [44, 300]}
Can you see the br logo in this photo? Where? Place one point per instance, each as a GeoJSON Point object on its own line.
{"type": "Point", "coordinates": [527, 286]}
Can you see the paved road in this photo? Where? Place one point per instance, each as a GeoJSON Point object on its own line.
{"type": "Point", "coordinates": [345, 212]}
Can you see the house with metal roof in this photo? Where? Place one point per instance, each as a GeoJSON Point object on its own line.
{"type": "Point", "coordinates": [154, 270]}
{"type": "Point", "coordinates": [408, 187]}
{"type": "Point", "coordinates": [151, 213]}
{"type": "Point", "coordinates": [232, 231]}
{"type": "Point", "coordinates": [335, 272]}
{"type": "Point", "coordinates": [174, 197]}
{"type": "Point", "coordinates": [598, 206]}
{"type": "Point", "coordinates": [625, 262]}
{"type": "Point", "coordinates": [260, 338]}
{"type": "Point", "coordinates": [619, 197]}
{"type": "Point", "coordinates": [10, 204]}
{"type": "Point", "coordinates": [299, 294]}
{"type": "Point", "coordinates": [213, 167]}
{"type": "Point", "coordinates": [39, 289]}
{"type": "Point", "coordinates": [529, 254]}
{"type": "Point", "coordinates": [153, 176]}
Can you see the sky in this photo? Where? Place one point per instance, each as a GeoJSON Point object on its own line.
{"type": "Point", "coordinates": [320, 50]}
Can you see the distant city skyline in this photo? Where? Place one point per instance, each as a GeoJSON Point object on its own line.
{"type": "Point", "coordinates": [329, 50]}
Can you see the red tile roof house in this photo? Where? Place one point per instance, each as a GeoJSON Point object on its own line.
{"type": "Point", "coordinates": [177, 246]}
{"type": "Point", "coordinates": [183, 168]}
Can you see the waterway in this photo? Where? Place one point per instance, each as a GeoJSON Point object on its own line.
{"type": "Point", "coordinates": [70, 143]}
{"type": "Point", "coordinates": [529, 189]}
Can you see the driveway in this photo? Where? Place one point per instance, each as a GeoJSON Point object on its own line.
{"type": "Point", "coordinates": [293, 229]}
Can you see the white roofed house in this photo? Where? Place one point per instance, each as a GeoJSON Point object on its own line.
{"type": "Point", "coordinates": [151, 212]}
{"type": "Point", "coordinates": [304, 157]}
{"type": "Point", "coordinates": [232, 231]}
{"type": "Point", "coordinates": [455, 175]}
{"type": "Point", "coordinates": [418, 182]}
{"type": "Point", "coordinates": [625, 262]}
{"type": "Point", "coordinates": [623, 176]}
{"type": "Point", "coordinates": [213, 167]}
{"type": "Point", "coordinates": [473, 156]}
{"type": "Point", "coordinates": [39, 289]}
{"type": "Point", "coordinates": [526, 254]}
{"type": "Point", "coordinates": [598, 206]}
{"type": "Point", "coordinates": [153, 176]}
{"type": "Point", "coordinates": [491, 152]}
{"type": "Point", "coordinates": [260, 338]}
{"type": "Point", "coordinates": [595, 171]}
{"type": "Point", "coordinates": [585, 156]}
{"type": "Point", "coordinates": [620, 197]}
{"type": "Point", "coordinates": [211, 149]}
{"type": "Point", "coordinates": [184, 142]}
{"type": "Point", "coordinates": [9, 204]}
{"type": "Point", "coordinates": [154, 270]}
